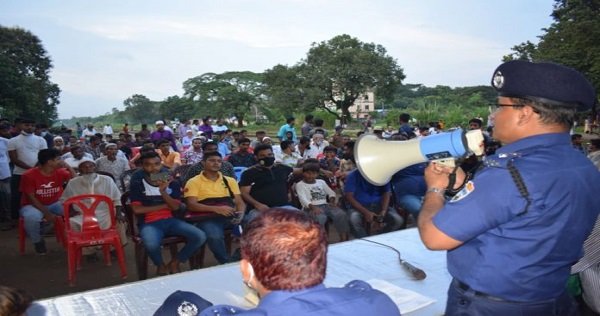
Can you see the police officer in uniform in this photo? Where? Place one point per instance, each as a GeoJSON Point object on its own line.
{"type": "Point", "coordinates": [513, 231]}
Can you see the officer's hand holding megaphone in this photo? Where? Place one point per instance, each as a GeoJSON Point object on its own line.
{"type": "Point", "coordinates": [437, 176]}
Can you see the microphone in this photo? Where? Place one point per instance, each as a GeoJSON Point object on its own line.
{"type": "Point", "coordinates": [416, 273]}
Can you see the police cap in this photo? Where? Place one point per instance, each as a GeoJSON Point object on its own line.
{"type": "Point", "coordinates": [548, 83]}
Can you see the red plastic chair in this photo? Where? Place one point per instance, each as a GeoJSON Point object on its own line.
{"type": "Point", "coordinates": [59, 231]}
{"type": "Point", "coordinates": [91, 235]}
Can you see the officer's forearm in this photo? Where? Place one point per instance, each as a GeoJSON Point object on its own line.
{"type": "Point", "coordinates": [432, 204]}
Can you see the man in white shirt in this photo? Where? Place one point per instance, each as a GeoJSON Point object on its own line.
{"type": "Point", "coordinates": [75, 156]}
{"type": "Point", "coordinates": [318, 144]}
{"type": "Point", "coordinates": [287, 154]}
{"type": "Point", "coordinates": [89, 182]}
{"type": "Point", "coordinates": [5, 218]}
{"type": "Point", "coordinates": [89, 131]}
{"type": "Point", "coordinates": [23, 150]}
{"type": "Point", "coordinates": [107, 130]}
{"type": "Point", "coordinates": [112, 163]}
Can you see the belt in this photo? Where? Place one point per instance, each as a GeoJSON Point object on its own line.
{"type": "Point", "coordinates": [465, 287]}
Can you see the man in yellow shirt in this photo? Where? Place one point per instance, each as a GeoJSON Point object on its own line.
{"type": "Point", "coordinates": [170, 159]}
{"type": "Point", "coordinates": [210, 191]}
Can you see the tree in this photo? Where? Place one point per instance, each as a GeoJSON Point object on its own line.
{"type": "Point", "coordinates": [177, 107]}
{"type": "Point", "coordinates": [288, 92]}
{"type": "Point", "coordinates": [140, 109]}
{"type": "Point", "coordinates": [234, 93]}
{"type": "Point", "coordinates": [25, 86]}
{"type": "Point", "coordinates": [573, 39]}
{"type": "Point", "coordinates": [334, 74]}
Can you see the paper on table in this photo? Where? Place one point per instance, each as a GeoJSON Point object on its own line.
{"type": "Point", "coordinates": [406, 300]}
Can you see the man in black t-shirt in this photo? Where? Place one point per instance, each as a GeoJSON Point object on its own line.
{"type": "Point", "coordinates": [264, 185]}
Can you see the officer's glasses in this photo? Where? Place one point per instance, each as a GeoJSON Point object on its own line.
{"type": "Point", "coordinates": [497, 106]}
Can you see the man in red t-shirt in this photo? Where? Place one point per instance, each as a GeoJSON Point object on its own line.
{"type": "Point", "coordinates": [41, 189]}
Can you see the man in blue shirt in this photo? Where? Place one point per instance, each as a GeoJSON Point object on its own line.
{"type": "Point", "coordinates": [409, 188]}
{"type": "Point", "coordinates": [284, 259]}
{"type": "Point", "coordinates": [513, 231]}
{"type": "Point", "coordinates": [287, 127]}
{"type": "Point", "coordinates": [370, 203]}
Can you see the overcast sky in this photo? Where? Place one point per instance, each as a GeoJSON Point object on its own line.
{"type": "Point", "coordinates": [105, 51]}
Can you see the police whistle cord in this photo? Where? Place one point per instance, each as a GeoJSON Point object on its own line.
{"type": "Point", "coordinates": [520, 184]}
{"type": "Point", "coordinates": [416, 273]}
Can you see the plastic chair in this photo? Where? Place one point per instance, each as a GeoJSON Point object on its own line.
{"type": "Point", "coordinates": [91, 235]}
{"type": "Point", "coordinates": [238, 172]}
{"type": "Point", "coordinates": [125, 178]}
{"type": "Point", "coordinates": [180, 171]}
{"type": "Point", "coordinates": [59, 231]}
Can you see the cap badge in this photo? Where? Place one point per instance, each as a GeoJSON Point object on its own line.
{"type": "Point", "coordinates": [498, 80]}
{"type": "Point", "coordinates": [187, 309]}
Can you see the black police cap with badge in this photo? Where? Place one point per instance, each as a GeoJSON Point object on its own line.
{"type": "Point", "coordinates": [548, 83]}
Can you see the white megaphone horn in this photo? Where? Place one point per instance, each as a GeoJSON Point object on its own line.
{"type": "Point", "coordinates": [378, 160]}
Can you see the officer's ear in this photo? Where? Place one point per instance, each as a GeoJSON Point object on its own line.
{"type": "Point", "coordinates": [526, 114]}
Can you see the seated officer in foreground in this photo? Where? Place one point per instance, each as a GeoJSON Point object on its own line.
{"type": "Point", "coordinates": [284, 258]}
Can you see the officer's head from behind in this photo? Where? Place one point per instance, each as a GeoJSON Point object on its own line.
{"type": "Point", "coordinates": [537, 98]}
{"type": "Point", "coordinates": [283, 250]}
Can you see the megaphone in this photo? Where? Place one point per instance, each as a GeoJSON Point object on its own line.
{"type": "Point", "coordinates": [378, 160]}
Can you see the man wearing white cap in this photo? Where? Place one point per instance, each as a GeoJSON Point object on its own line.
{"type": "Point", "coordinates": [162, 133]}
{"type": "Point", "coordinates": [89, 182]}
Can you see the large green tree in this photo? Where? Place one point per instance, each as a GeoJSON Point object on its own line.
{"type": "Point", "coordinates": [236, 93]}
{"type": "Point", "coordinates": [25, 86]}
{"type": "Point", "coordinates": [177, 107]}
{"type": "Point", "coordinates": [140, 109]}
{"type": "Point", "coordinates": [573, 39]}
{"type": "Point", "coordinates": [334, 74]}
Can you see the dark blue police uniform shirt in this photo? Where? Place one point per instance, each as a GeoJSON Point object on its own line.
{"type": "Point", "coordinates": [364, 191]}
{"type": "Point", "coordinates": [357, 298]}
{"type": "Point", "coordinates": [523, 257]}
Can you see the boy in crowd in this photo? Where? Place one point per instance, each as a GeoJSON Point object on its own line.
{"type": "Point", "coordinates": [319, 200]}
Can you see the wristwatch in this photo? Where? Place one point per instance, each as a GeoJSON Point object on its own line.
{"type": "Point", "coordinates": [437, 190]}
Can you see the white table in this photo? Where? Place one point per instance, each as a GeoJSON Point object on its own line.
{"type": "Point", "coordinates": [223, 284]}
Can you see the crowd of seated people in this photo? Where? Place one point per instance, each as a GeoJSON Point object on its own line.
{"type": "Point", "coordinates": [305, 172]}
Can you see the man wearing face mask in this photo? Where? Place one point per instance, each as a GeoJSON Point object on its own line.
{"type": "Point", "coordinates": [264, 185]}
{"type": "Point", "coordinates": [318, 144]}
{"type": "Point", "coordinates": [23, 152]}
{"type": "Point", "coordinates": [89, 182]}
{"type": "Point", "coordinates": [41, 130]}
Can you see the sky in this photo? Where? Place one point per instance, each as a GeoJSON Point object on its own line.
{"type": "Point", "coordinates": [105, 51]}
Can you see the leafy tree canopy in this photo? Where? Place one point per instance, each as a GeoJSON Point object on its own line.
{"type": "Point", "coordinates": [573, 39]}
{"type": "Point", "coordinates": [25, 86]}
{"type": "Point", "coordinates": [235, 93]}
{"type": "Point", "coordinates": [335, 73]}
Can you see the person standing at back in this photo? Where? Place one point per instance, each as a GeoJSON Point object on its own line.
{"type": "Point", "coordinates": [287, 127]}
{"type": "Point", "coordinates": [514, 230]}
{"type": "Point", "coordinates": [23, 151]}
